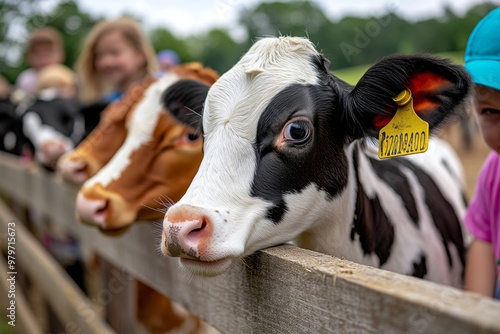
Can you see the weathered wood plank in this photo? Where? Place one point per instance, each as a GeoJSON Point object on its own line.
{"type": "Point", "coordinates": [69, 302]}
{"type": "Point", "coordinates": [278, 290]}
{"type": "Point", "coordinates": [25, 321]}
{"type": "Point", "coordinates": [121, 301]}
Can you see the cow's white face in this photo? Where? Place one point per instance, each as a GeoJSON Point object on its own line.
{"type": "Point", "coordinates": [277, 129]}
{"type": "Point", "coordinates": [259, 138]}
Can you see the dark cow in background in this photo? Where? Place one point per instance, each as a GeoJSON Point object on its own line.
{"type": "Point", "coordinates": [12, 138]}
{"type": "Point", "coordinates": [91, 113]}
{"type": "Point", "coordinates": [50, 123]}
{"type": "Point", "coordinates": [289, 155]}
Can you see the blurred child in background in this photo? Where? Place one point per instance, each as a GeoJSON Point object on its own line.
{"type": "Point", "coordinates": [482, 60]}
{"type": "Point", "coordinates": [50, 121]}
{"type": "Point", "coordinates": [44, 48]}
{"type": "Point", "coordinates": [167, 59]}
{"type": "Point", "coordinates": [116, 55]}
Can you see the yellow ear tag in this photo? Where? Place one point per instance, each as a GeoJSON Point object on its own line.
{"type": "Point", "coordinates": [406, 133]}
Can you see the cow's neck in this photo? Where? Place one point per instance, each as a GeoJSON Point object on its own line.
{"type": "Point", "coordinates": [331, 235]}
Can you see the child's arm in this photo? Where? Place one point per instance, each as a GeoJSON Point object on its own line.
{"type": "Point", "coordinates": [480, 272]}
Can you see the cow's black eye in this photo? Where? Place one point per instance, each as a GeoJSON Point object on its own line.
{"type": "Point", "coordinates": [297, 131]}
{"type": "Point", "coordinates": [193, 136]}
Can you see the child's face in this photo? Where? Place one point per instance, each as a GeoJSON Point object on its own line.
{"type": "Point", "coordinates": [116, 60]}
{"type": "Point", "coordinates": [43, 55]}
{"type": "Point", "coordinates": [488, 111]}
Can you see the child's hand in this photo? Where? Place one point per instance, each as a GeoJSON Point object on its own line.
{"type": "Point", "coordinates": [51, 150]}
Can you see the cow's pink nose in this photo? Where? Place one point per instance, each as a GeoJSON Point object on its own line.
{"type": "Point", "coordinates": [187, 232]}
{"type": "Point", "coordinates": [92, 211]}
{"type": "Point", "coordinates": [73, 170]}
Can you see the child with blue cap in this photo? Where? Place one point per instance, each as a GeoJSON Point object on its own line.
{"type": "Point", "coordinates": [167, 59]}
{"type": "Point", "coordinates": [482, 60]}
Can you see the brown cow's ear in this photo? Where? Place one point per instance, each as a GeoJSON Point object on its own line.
{"type": "Point", "coordinates": [184, 101]}
{"type": "Point", "coordinates": [439, 89]}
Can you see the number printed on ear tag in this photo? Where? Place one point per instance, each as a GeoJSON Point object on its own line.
{"type": "Point", "coordinates": [406, 133]}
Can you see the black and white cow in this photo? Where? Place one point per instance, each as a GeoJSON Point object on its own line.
{"type": "Point", "coordinates": [289, 155]}
{"type": "Point", "coordinates": [53, 125]}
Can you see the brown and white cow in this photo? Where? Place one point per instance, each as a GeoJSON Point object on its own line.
{"type": "Point", "coordinates": [100, 145]}
{"type": "Point", "coordinates": [289, 155]}
{"type": "Point", "coordinates": [156, 162]}
{"type": "Point", "coordinates": [175, 150]}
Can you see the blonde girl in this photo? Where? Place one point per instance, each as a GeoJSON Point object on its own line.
{"type": "Point", "coordinates": [116, 55]}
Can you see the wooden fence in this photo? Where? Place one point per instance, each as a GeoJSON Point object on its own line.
{"type": "Point", "coordinates": [282, 289]}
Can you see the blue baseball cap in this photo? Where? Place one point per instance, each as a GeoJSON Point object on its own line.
{"type": "Point", "coordinates": [169, 56]}
{"type": "Point", "coordinates": [482, 55]}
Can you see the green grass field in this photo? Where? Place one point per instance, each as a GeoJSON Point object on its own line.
{"type": "Point", "coordinates": [353, 74]}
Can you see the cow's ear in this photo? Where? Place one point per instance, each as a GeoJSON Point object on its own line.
{"type": "Point", "coordinates": [439, 89]}
{"type": "Point", "coordinates": [184, 101]}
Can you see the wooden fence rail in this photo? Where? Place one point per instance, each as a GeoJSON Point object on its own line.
{"type": "Point", "coordinates": [282, 289]}
{"type": "Point", "coordinates": [25, 320]}
{"type": "Point", "coordinates": [70, 304]}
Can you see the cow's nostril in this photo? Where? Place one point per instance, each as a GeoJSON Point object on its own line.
{"type": "Point", "coordinates": [92, 211]}
{"type": "Point", "coordinates": [101, 210]}
{"type": "Point", "coordinates": [197, 233]}
{"type": "Point", "coordinates": [203, 225]}
{"type": "Point", "coordinates": [80, 169]}
{"type": "Point", "coordinates": [74, 170]}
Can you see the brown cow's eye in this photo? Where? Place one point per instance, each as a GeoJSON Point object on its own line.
{"type": "Point", "coordinates": [297, 132]}
{"type": "Point", "coordinates": [193, 136]}
{"type": "Point", "coordinates": [489, 111]}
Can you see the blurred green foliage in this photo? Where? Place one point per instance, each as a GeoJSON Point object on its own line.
{"type": "Point", "coordinates": [348, 42]}
{"type": "Point", "coordinates": [353, 74]}
{"type": "Point", "coordinates": [66, 17]}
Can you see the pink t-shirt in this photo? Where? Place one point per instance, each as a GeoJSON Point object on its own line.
{"type": "Point", "coordinates": [483, 215]}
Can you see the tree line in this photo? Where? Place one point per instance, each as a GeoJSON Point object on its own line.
{"type": "Point", "coordinates": [347, 42]}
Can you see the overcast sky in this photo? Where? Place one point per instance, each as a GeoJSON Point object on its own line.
{"type": "Point", "coordinates": [185, 17]}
